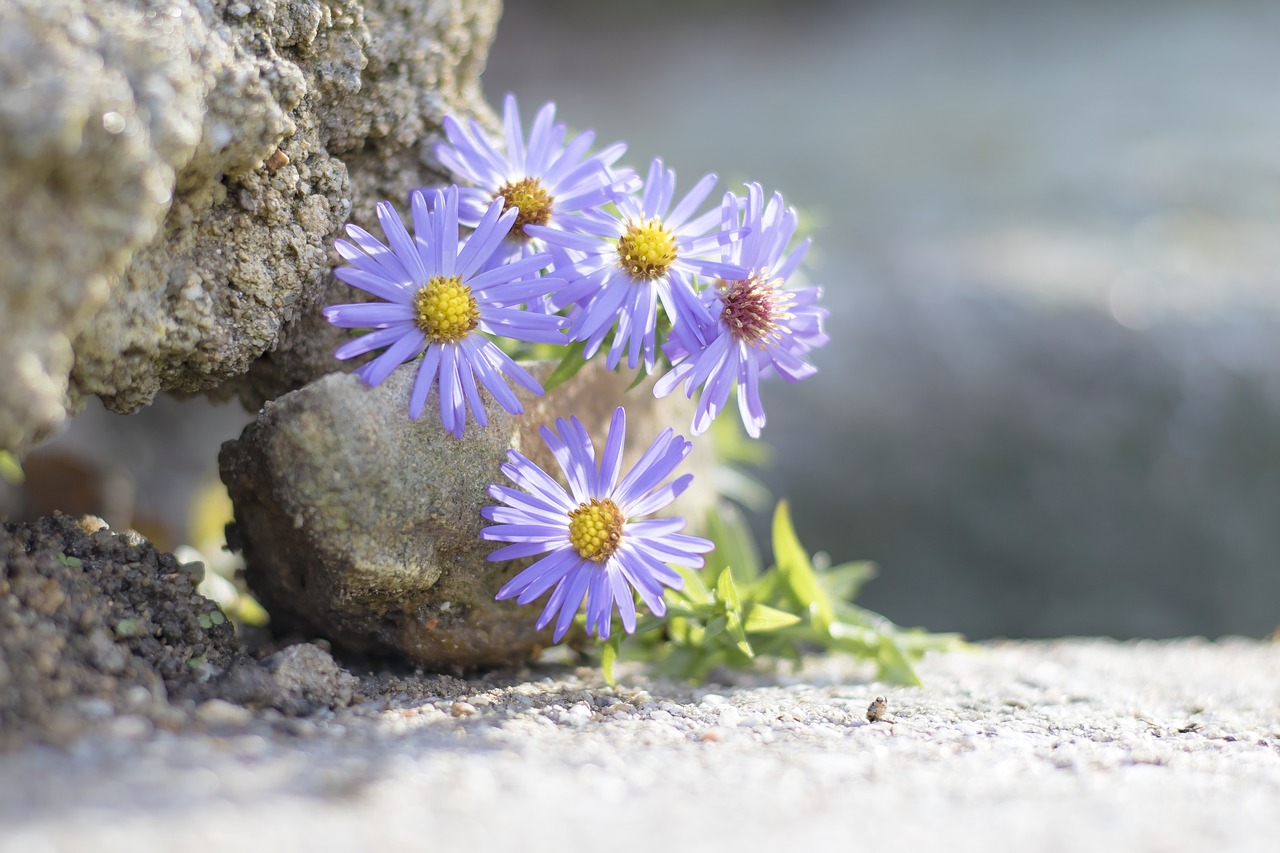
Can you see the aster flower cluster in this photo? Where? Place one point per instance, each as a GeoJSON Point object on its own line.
{"type": "Point", "coordinates": [565, 247]}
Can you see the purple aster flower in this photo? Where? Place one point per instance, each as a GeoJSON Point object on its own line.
{"type": "Point", "coordinates": [440, 302]}
{"type": "Point", "coordinates": [598, 546]}
{"type": "Point", "coordinates": [544, 180]}
{"type": "Point", "coordinates": [760, 325]}
{"type": "Point", "coordinates": [628, 263]}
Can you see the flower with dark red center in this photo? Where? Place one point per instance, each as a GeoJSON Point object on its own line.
{"type": "Point", "coordinates": [759, 324]}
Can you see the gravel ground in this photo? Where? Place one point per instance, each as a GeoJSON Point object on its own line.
{"type": "Point", "coordinates": [1062, 745]}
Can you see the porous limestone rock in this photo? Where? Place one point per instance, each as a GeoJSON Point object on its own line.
{"type": "Point", "coordinates": [362, 526]}
{"type": "Point", "coordinates": [172, 173]}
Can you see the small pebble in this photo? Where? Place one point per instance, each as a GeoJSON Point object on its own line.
{"type": "Point", "coordinates": [578, 715]}
{"type": "Point", "coordinates": [95, 708]}
{"type": "Point", "coordinates": [218, 712]}
{"type": "Point", "coordinates": [729, 716]}
{"type": "Point", "coordinates": [462, 709]}
{"type": "Point", "coordinates": [278, 160]}
{"type": "Point", "coordinates": [129, 727]}
{"type": "Point", "coordinates": [301, 728]}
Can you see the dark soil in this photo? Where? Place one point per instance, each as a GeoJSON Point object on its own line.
{"type": "Point", "coordinates": [97, 625]}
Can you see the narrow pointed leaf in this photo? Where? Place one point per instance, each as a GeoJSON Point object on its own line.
{"type": "Point", "coordinates": [763, 619]}
{"type": "Point", "coordinates": [10, 468]}
{"type": "Point", "coordinates": [845, 580]}
{"type": "Point", "coordinates": [568, 366]}
{"type": "Point", "coordinates": [640, 377]}
{"type": "Point", "coordinates": [728, 595]}
{"type": "Point", "coordinates": [893, 664]}
{"type": "Point", "coordinates": [608, 657]}
{"type": "Point", "coordinates": [695, 590]}
{"type": "Point", "coordinates": [727, 592]}
{"type": "Point", "coordinates": [793, 562]}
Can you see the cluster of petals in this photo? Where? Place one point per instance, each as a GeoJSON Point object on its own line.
{"type": "Point", "coordinates": [724, 353]}
{"type": "Point", "coordinates": [397, 273]}
{"type": "Point", "coordinates": [536, 517]}
{"type": "Point", "coordinates": [574, 180]}
{"type": "Point", "coordinates": [555, 174]}
{"type": "Point", "coordinates": [610, 298]}
{"type": "Point", "coordinates": [565, 246]}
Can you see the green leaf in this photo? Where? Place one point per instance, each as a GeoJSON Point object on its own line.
{"type": "Point", "coordinates": [676, 610]}
{"type": "Point", "coordinates": [734, 446]}
{"type": "Point", "coordinates": [609, 656]}
{"type": "Point", "coordinates": [679, 629]}
{"type": "Point", "coordinates": [726, 592]}
{"type": "Point", "coordinates": [732, 614]}
{"type": "Point", "coordinates": [10, 468]}
{"type": "Point", "coordinates": [735, 547]}
{"type": "Point", "coordinates": [568, 366]}
{"type": "Point", "coordinates": [771, 586]}
{"type": "Point", "coordinates": [762, 619]}
{"type": "Point", "coordinates": [845, 580]}
{"type": "Point", "coordinates": [793, 563]}
{"type": "Point", "coordinates": [695, 590]}
{"type": "Point", "coordinates": [640, 377]}
{"type": "Point", "coordinates": [852, 640]}
{"type": "Point", "coordinates": [893, 664]}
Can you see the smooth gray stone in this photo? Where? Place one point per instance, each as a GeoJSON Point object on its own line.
{"type": "Point", "coordinates": [362, 526]}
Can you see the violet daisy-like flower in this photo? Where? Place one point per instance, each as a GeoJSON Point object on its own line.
{"type": "Point", "coordinates": [760, 325]}
{"type": "Point", "coordinates": [440, 302]}
{"type": "Point", "coordinates": [544, 180]}
{"type": "Point", "coordinates": [599, 547]}
{"type": "Point", "coordinates": [645, 255]}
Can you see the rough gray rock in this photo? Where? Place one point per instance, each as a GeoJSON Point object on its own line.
{"type": "Point", "coordinates": [362, 526]}
{"type": "Point", "coordinates": [297, 680]}
{"type": "Point", "coordinates": [171, 174]}
{"type": "Point", "coordinates": [309, 676]}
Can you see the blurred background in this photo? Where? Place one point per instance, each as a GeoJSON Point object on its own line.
{"type": "Point", "coordinates": [1049, 238]}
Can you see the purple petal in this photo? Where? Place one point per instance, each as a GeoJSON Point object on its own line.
{"type": "Point", "coordinates": [371, 342]}
{"type": "Point", "coordinates": [423, 381]}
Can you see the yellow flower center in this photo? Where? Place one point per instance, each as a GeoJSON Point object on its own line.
{"type": "Point", "coordinates": [529, 197]}
{"type": "Point", "coordinates": [753, 308]}
{"type": "Point", "coordinates": [647, 250]}
{"type": "Point", "coordinates": [445, 310]}
{"type": "Point", "coordinates": [595, 529]}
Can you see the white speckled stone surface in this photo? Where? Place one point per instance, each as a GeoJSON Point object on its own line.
{"type": "Point", "coordinates": [1056, 746]}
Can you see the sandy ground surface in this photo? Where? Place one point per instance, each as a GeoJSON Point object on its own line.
{"type": "Point", "coordinates": [1062, 745]}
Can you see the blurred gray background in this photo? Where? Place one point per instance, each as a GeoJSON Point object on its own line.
{"type": "Point", "coordinates": [1049, 236]}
